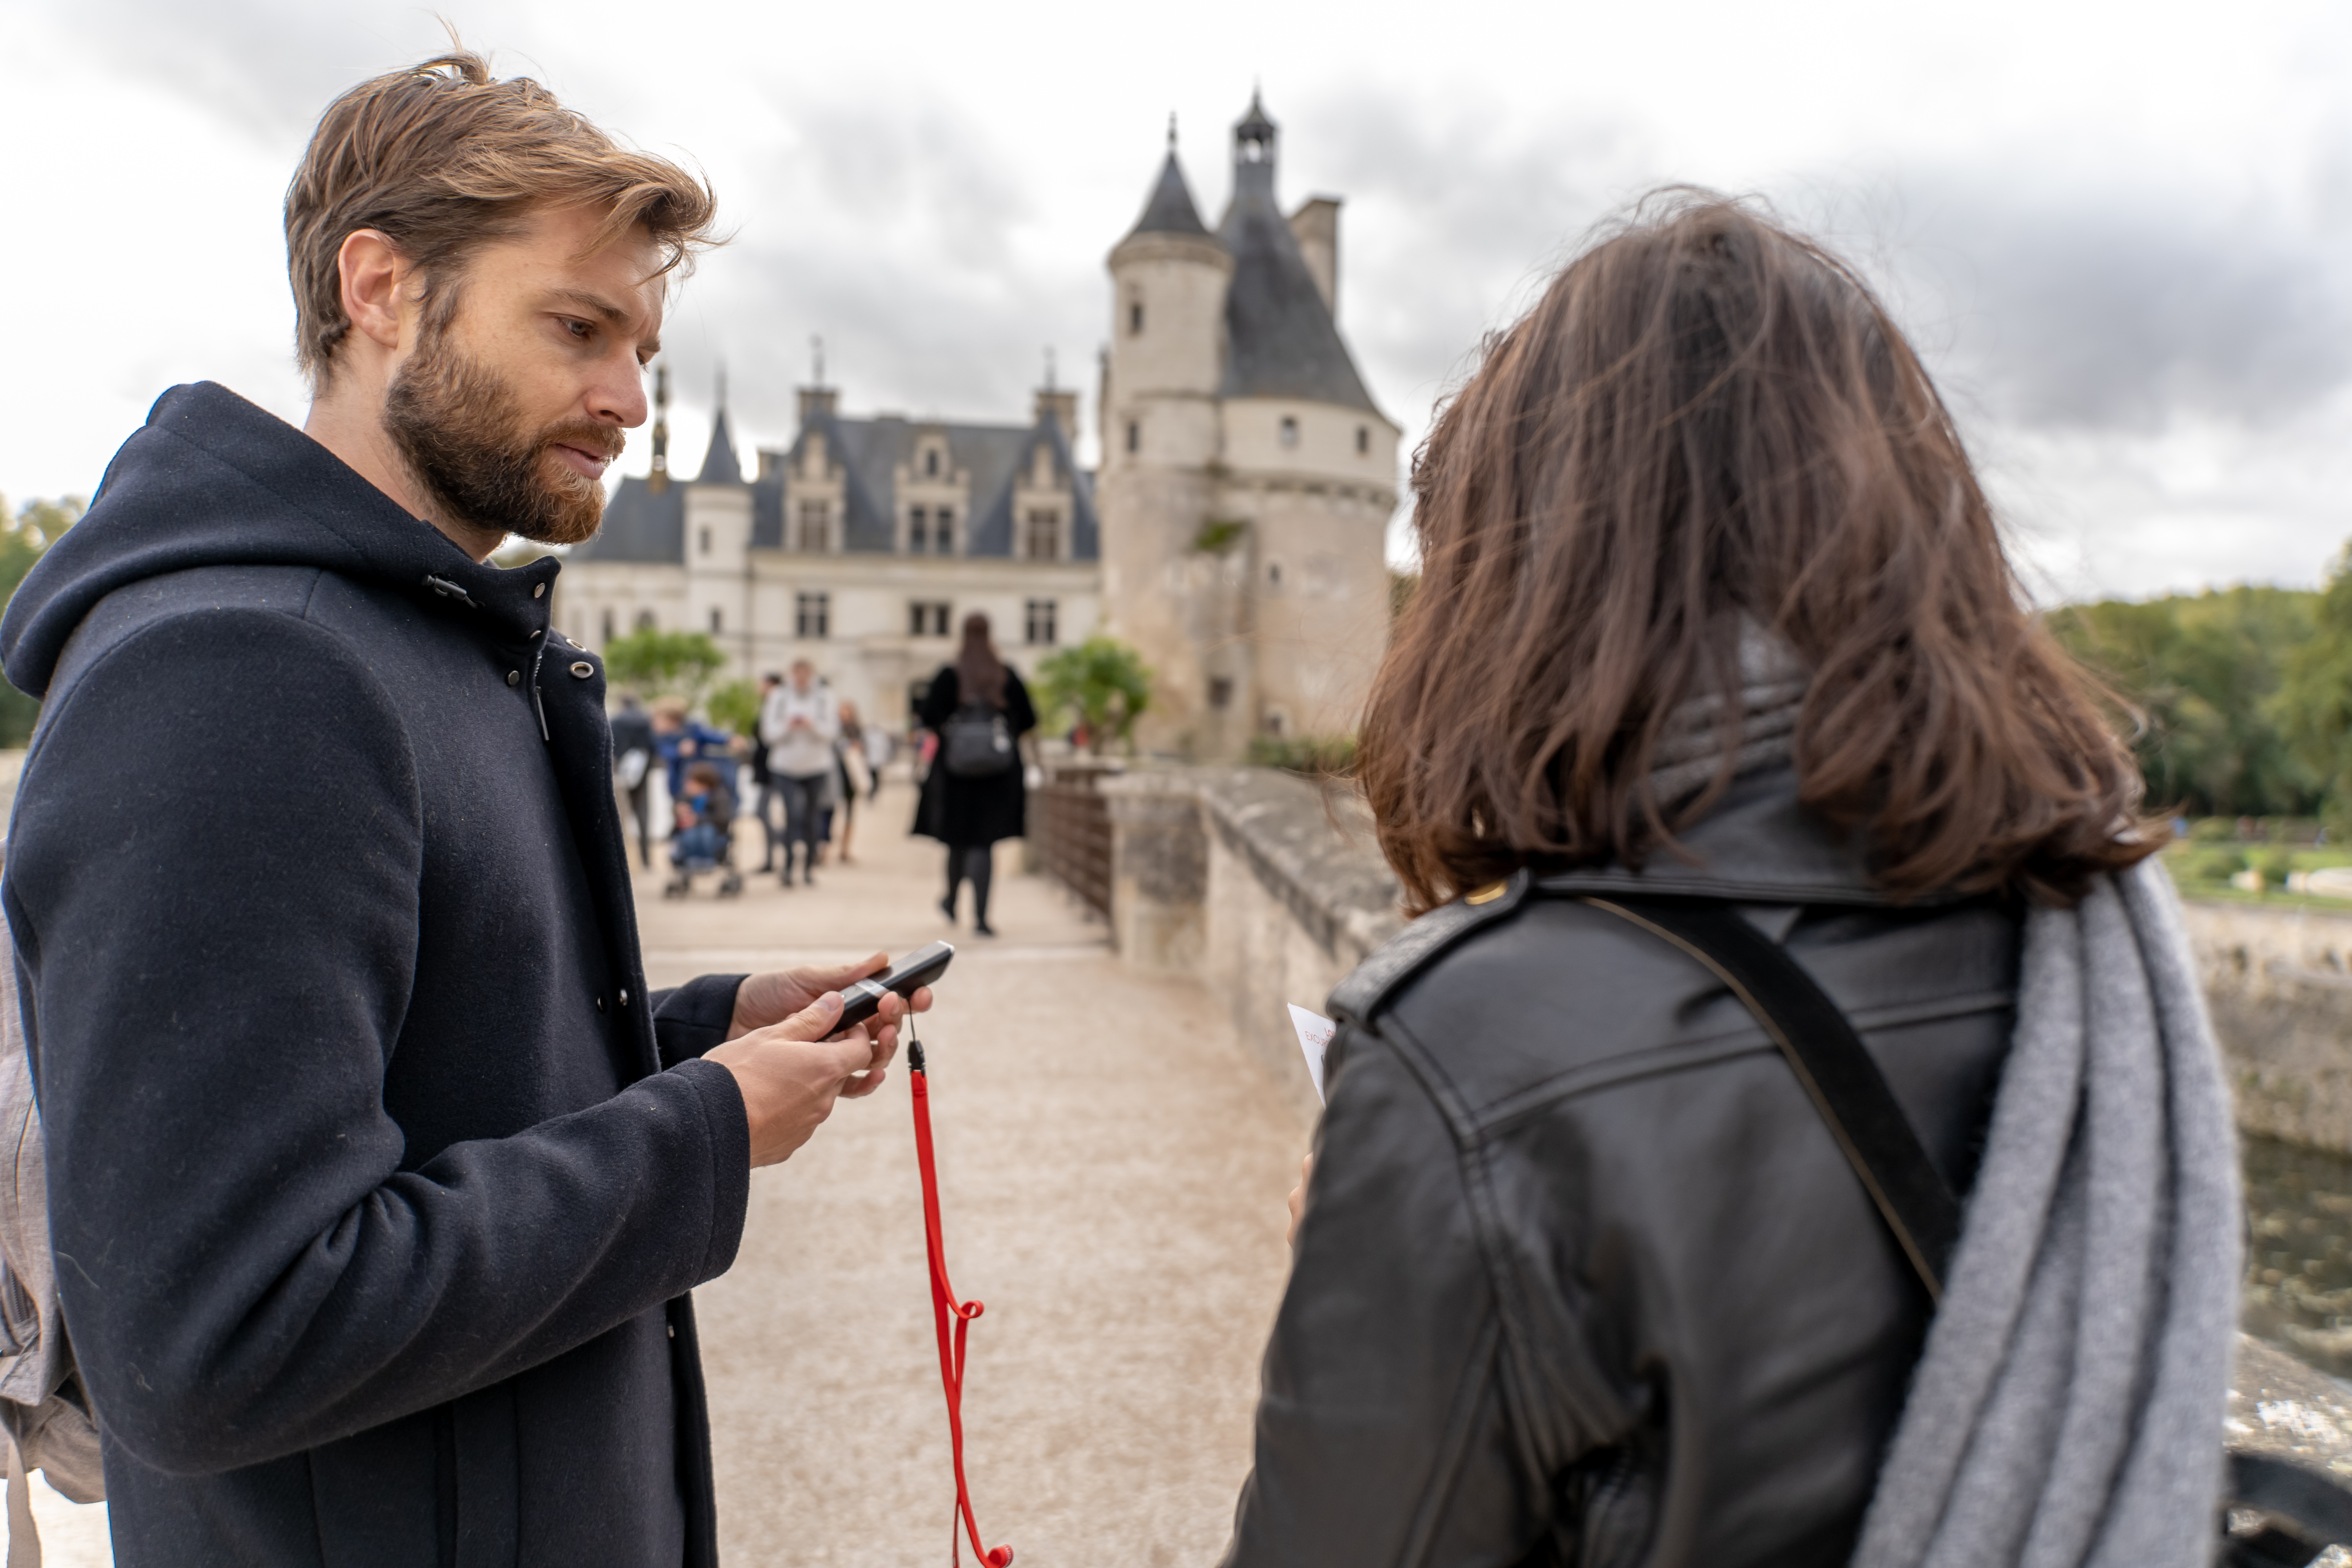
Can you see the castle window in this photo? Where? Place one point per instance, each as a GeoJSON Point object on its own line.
{"type": "Point", "coordinates": [816, 525]}
{"type": "Point", "coordinates": [718, 620]}
{"type": "Point", "coordinates": [1274, 575]}
{"type": "Point", "coordinates": [646, 621]}
{"type": "Point", "coordinates": [1289, 431]}
{"type": "Point", "coordinates": [608, 626]}
{"type": "Point", "coordinates": [1134, 436]}
{"type": "Point", "coordinates": [1220, 691]}
{"type": "Point", "coordinates": [931, 463]}
{"type": "Point", "coordinates": [705, 542]}
{"type": "Point", "coordinates": [813, 615]}
{"type": "Point", "coordinates": [1135, 318]}
{"type": "Point", "coordinates": [918, 539]}
{"type": "Point", "coordinates": [927, 618]}
{"type": "Point", "coordinates": [1038, 623]}
{"type": "Point", "coordinates": [943, 533]}
{"type": "Point", "coordinates": [1363, 439]}
{"type": "Point", "coordinates": [1042, 540]}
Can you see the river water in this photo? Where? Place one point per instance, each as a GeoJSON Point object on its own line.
{"type": "Point", "coordinates": [2298, 1291]}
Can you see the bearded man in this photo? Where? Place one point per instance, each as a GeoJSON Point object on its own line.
{"type": "Point", "coordinates": [377, 1177]}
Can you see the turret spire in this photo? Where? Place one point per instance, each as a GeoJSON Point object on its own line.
{"type": "Point", "coordinates": [659, 480]}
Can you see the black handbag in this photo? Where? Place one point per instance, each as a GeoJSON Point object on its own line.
{"type": "Point", "coordinates": [976, 743]}
{"type": "Point", "coordinates": [2286, 1514]}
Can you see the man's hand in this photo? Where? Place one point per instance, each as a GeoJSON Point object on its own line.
{"type": "Point", "coordinates": [766, 999]}
{"type": "Point", "coordinates": [791, 1073]}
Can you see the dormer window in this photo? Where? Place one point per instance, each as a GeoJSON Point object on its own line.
{"type": "Point", "coordinates": [1363, 440]}
{"type": "Point", "coordinates": [943, 533]}
{"type": "Point", "coordinates": [816, 526]}
{"type": "Point", "coordinates": [931, 464]}
{"type": "Point", "coordinates": [1289, 431]}
{"type": "Point", "coordinates": [1042, 540]}
{"type": "Point", "coordinates": [1135, 318]}
{"type": "Point", "coordinates": [918, 530]}
{"type": "Point", "coordinates": [705, 542]}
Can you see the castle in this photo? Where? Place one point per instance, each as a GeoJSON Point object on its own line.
{"type": "Point", "coordinates": [1234, 532]}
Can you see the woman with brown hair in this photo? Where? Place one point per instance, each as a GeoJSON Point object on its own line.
{"type": "Point", "coordinates": [974, 794]}
{"type": "Point", "coordinates": [1717, 702]}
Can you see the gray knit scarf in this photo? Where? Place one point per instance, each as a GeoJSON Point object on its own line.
{"type": "Point", "coordinates": [2069, 1407]}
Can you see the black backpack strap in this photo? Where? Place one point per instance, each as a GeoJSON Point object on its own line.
{"type": "Point", "coordinates": [1829, 1059]}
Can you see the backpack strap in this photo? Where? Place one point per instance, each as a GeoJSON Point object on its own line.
{"type": "Point", "coordinates": [1829, 1059]}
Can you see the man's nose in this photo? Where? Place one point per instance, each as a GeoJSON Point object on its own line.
{"type": "Point", "coordinates": [619, 394]}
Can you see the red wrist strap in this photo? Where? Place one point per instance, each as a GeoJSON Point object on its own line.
{"type": "Point", "coordinates": [944, 1307]}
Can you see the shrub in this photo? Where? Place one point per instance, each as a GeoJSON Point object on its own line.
{"type": "Point", "coordinates": [2212, 865]}
{"type": "Point", "coordinates": [2213, 830]}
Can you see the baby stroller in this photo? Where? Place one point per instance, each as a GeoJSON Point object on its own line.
{"type": "Point", "coordinates": [708, 844]}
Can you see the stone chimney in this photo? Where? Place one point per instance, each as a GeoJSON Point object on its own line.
{"type": "Point", "coordinates": [1316, 227]}
{"type": "Point", "coordinates": [816, 400]}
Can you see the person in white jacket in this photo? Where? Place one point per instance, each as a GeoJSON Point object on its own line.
{"type": "Point", "coordinates": [798, 723]}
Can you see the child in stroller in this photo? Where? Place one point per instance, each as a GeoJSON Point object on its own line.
{"type": "Point", "coordinates": [705, 836]}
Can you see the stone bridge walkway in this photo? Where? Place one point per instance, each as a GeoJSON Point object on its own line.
{"type": "Point", "coordinates": [1113, 1169]}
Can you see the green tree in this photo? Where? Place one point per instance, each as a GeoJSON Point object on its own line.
{"type": "Point", "coordinates": [735, 707]}
{"type": "Point", "coordinates": [2313, 706]}
{"type": "Point", "coordinates": [2204, 673]}
{"type": "Point", "coordinates": [24, 537]}
{"type": "Point", "coordinates": [1101, 682]}
{"type": "Point", "coordinates": [658, 661]}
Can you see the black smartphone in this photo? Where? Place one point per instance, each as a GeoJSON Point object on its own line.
{"type": "Point", "coordinates": [919, 968]}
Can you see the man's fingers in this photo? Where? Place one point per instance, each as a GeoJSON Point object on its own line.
{"type": "Point", "coordinates": [816, 978]}
{"type": "Point", "coordinates": [816, 1020]}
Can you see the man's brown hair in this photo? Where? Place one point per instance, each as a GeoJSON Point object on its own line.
{"type": "Point", "coordinates": [444, 159]}
{"type": "Point", "coordinates": [1706, 416]}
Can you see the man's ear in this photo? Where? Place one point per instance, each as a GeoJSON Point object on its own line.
{"type": "Point", "coordinates": [375, 280]}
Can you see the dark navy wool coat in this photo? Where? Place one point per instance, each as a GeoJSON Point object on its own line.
{"type": "Point", "coordinates": [377, 1179]}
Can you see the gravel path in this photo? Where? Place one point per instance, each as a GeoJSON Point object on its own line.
{"type": "Point", "coordinates": [1113, 1169]}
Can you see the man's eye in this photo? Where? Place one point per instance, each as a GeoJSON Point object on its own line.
{"type": "Point", "coordinates": [580, 329]}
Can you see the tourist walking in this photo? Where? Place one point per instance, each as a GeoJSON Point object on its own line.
{"type": "Point", "coordinates": [799, 721]}
{"type": "Point", "coordinates": [1718, 700]}
{"type": "Point", "coordinates": [633, 752]}
{"type": "Point", "coordinates": [377, 1177]}
{"type": "Point", "coordinates": [770, 799]}
{"type": "Point", "coordinates": [852, 776]}
{"type": "Point", "coordinates": [977, 710]}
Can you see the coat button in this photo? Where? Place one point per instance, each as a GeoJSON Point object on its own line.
{"type": "Point", "coordinates": [583, 669]}
{"type": "Point", "coordinates": [539, 590]}
{"type": "Point", "coordinates": [599, 1002]}
{"type": "Point", "coordinates": [625, 997]}
{"type": "Point", "coordinates": [514, 677]}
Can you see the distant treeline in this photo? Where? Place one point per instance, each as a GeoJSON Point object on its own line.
{"type": "Point", "coordinates": [2238, 701]}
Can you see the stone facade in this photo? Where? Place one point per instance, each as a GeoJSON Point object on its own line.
{"type": "Point", "coordinates": [861, 548]}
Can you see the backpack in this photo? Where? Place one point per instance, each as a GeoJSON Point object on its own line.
{"type": "Point", "coordinates": [976, 744]}
{"type": "Point", "coordinates": [50, 1425]}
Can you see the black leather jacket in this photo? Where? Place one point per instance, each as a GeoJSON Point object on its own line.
{"type": "Point", "coordinates": [1583, 1277]}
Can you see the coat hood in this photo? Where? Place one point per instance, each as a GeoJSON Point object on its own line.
{"type": "Point", "coordinates": [211, 480]}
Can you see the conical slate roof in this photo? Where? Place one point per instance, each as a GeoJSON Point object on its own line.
{"type": "Point", "coordinates": [1170, 208]}
{"type": "Point", "coordinates": [718, 464]}
{"type": "Point", "coordinates": [1281, 341]}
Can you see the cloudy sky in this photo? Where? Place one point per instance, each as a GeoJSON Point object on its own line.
{"type": "Point", "coordinates": [2122, 235]}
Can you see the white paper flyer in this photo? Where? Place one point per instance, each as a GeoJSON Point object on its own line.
{"type": "Point", "coordinates": [1315, 1033]}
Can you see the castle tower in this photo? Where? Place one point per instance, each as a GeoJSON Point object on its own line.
{"type": "Point", "coordinates": [1248, 476]}
{"type": "Point", "coordinates": [1160, 445]}
{"type": "Point", "coordinates": [718, 546]}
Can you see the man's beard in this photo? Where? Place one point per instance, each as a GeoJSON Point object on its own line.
{"type": "Point", "coordinates": [459, 426]}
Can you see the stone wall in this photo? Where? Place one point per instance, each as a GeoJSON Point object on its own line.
{"type": "Point", "coordinates": [2280, 985]}
{"type": "Point", "coordinates": [1257, 882]}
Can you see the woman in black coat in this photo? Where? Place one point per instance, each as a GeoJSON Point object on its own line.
{"type": "Point", "coordinates": [973, 794]}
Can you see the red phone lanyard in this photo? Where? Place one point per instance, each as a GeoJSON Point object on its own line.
{"type": "Point", "coordinates": [945, 1306]}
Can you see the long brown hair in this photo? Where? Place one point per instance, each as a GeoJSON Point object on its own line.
{"type": "Point", "coordinates": [979, 674]}
{"type": "Point", "coordinates": [1706, 416]}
